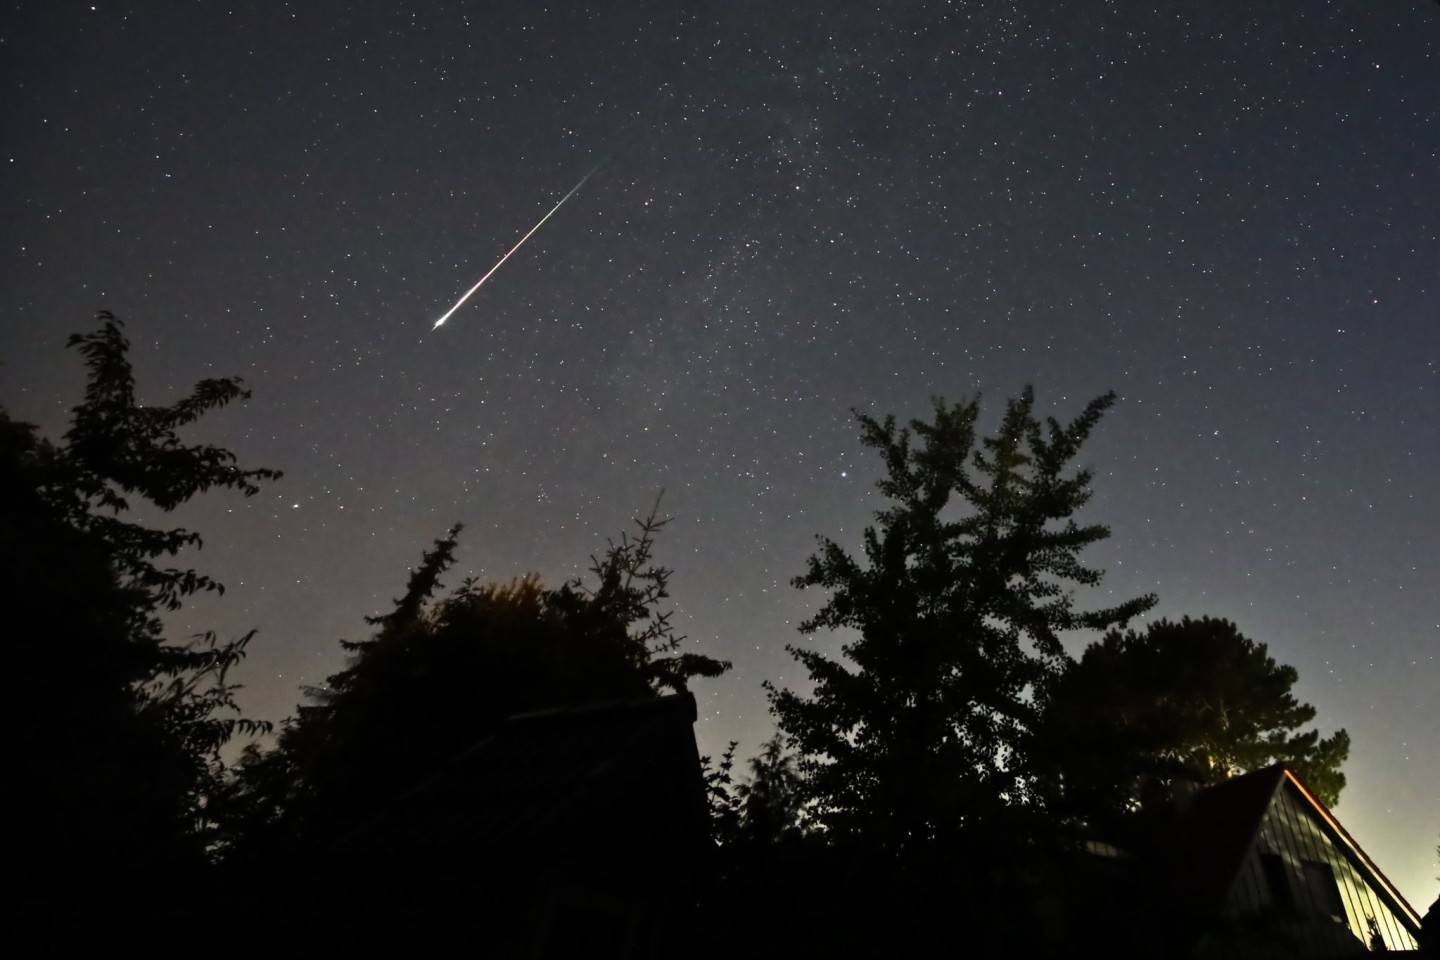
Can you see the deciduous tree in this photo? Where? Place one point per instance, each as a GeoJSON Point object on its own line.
{"type": "Point", "coordinates": [115, 731]}
{"type": "Point", "coordinates": [953, 618]}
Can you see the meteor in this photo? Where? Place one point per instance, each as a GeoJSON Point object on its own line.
{"type": "Point", "coordinates": [481, 282]}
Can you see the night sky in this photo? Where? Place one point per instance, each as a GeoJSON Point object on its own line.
{"type": "Point", "coordinates": [1227, 213]}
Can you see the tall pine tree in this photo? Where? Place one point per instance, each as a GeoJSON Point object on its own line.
{"type": "Point", "coordinates": [1193, 699]}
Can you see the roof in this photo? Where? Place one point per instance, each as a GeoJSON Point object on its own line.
{"type": "Point", "coordinates": [1208, 843]}
{"type": "Point", "coordinates": [549, 779]}
{"type": "Point", "coordinates": [1342, 839]}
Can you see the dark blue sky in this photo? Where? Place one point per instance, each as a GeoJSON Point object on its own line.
{"type": "Point", "coordinates": [1228, 213]}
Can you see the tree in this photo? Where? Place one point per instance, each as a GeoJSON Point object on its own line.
{"type": "Point", "coordinates": [1196, 700]}
{"type": "Point", "coordinates": [771, 799]}
{"type": "Point", "coordinates": [959, 605]}
{"type": "Point", "coordinates": [762, 810]}
{"type": "Point", "coordinates": [1430, 928]}
{"type": "Point", "coordinates": [436, 679]}
{"type": "Point", "coordinates": [117, 731]}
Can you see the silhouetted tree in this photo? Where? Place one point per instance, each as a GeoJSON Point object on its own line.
{"type": "Point", "coordinates": [775, 885]}
{"type": "Point", "coordinates": [1430, 929]}
{"type": "Point", "coordinates": [117, 731]}
{"type": "Point", "coordinates": [435, 680]}
{"type": "Point", "coordinates": [763, 809]}
{"type": "Point", "coordinates": [722, 796]}
{"type": "Point", "coordinates": [958, 606]}
{"type": "Point", "coordinates": [1195, 700]}
{"type": "Point", "coordinates": [772, 798]}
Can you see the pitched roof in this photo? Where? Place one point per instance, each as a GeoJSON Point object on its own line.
{"type": "Point", "coordinates": [1342, 839]}
{"type": "Point", "coordinates": [1208, 842]}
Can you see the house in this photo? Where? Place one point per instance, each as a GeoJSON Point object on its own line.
{"type": "Point", "coordinates": [1258, 867]}
{"type": "Point", "coordinates": [576, 831]}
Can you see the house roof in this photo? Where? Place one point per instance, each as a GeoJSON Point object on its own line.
{"type": "Point", "coordinates": [546, 779]}
{"type": "Point", "coordinates": [1342, 839]}
{"type": "Point", "coordinates": [1209, 841]}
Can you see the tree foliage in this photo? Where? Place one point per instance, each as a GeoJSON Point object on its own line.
{"type": "Point", "coordinates": [1194, 699]}
{"type": "Point", "coordinates": [118, 730]}
{"type": "Point", "coordinates": [763, 809]}
{"type": "Point", "coordinates": [957, 610]}
{"type": "Point", "coordinates": [773, 797]}
{"type": "Point", "coordinates": [436, 678]}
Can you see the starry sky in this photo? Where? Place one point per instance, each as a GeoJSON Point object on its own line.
{"type": "Point", "coordinates": [1227, 213]}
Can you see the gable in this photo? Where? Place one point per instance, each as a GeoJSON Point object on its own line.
{"type": "Point", "coordinates": [1303, 867]}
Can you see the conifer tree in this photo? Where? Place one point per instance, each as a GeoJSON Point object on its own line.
{"type": "Point", "coordinates": [1193, 699]}
{"type": "Point", "coordinates": [954, 617]}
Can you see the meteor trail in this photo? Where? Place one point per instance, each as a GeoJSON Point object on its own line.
{"type": "Point", "coordinates": [481, 282]}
